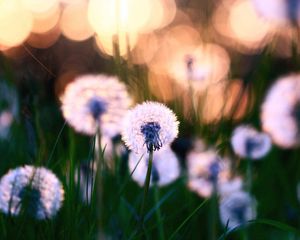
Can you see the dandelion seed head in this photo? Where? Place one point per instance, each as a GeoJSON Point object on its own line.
{"type": "Point", "coordinates": [279, 112]}
{"type": "Point", "coordinates": [236, 209]}
{"type": "Point", "coordinates": [8, 109]}
{"type": "Point", "coordinates": [37, 190]}
{"type": "Point", "coordinates": [93, 101]}
{"type": "Point", "coordinates": [206, 170]}
{"type": "Point", "coordinates": [278, 11]}
{"type": "Point", "coordinates": [247, 142]}
{"type": "Point", "coordinates": [228, 187]}
{"type": "Point", "coordinates": [165, 167]}
{"type": "Point", "coordinates": [149, 125]}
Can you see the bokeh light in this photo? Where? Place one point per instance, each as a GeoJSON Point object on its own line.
{"type": "Point", "coordinates": [238, 22]}
{"type": "Point", "coordinates": [44, 22]}
{"type": "Point", "coordinates": [12, 32]}
{"type": "Point", "coordinates": [74, 22]}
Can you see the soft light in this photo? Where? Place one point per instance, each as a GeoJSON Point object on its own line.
{"type": "Point", "coordinates": [74, 23]}
{"type": "Point", "coordinates": [13, 32]}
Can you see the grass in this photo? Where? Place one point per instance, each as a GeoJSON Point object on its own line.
{"type": "Point", "coordinates": [40, 136]}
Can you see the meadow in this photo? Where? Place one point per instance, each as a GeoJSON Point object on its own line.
{"type": "Point", "coordinates": [150, 119]}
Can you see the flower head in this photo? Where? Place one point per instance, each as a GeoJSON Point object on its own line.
{"type": "Point", "coordinates": [149, 126]}
{"type": "Point", "coordinates": [236, 209]}
{"type": "Point", "coordinates": [280, 112]}
{"type": "Point", "coordinates": [8, 108]}
{"type": "Point", "coordinates": [278, 11]}
{"type": "Point", "coordinates": [36, 191]}
{"type": "Point", "coordinates": [247, 142]}
{"type": "Point", "coordinates": [206, 170]}
{"type": "Point", "coordinates": [228, 187]}
{"type": "Point", "coordinates": [165, 167]}
{"type": "Point", "coordinates": [93, 101]}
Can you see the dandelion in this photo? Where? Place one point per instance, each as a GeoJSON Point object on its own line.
{"type": "Point", "coordinates": [236, 209]}
{"type": "Point", "coordinates": [37, 191]}
{"type": "Point", "coordinates": [278, 11]}
{"type": "Point", "coordinates": [228, 187]}
{"type": "Point", "coordinates": [8, 109]}
{"type": "Point", "coordinates": [93, 101]}
{"type": "Point", "coordinates": [165, 168]}
{"type": "Point", "coordinates": [280, 112]}
{"type": "Point", "coordinates": [148, 127]}
{"type": "Point", "coordinates": [249, 143]}
{"type": "Point", "coordinates": [206, 170]}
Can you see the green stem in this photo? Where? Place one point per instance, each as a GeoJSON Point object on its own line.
{"type": "Point", "coordinates": [158, 213]}
{"type": "Point", "coordinates": [213, 215]}
{"type": "Point", "coordinates": [99, 177]}
{"type": "Point", "coordinates": [146, 188]}
{"type": "Point", "coordinates": [249, 175]}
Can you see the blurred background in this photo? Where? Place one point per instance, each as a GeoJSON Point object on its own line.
{"type": "Point", "coordinates": [212, 62]}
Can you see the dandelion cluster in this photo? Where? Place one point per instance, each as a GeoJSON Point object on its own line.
{"type": "Point", "coordinates": [36, 191]}
{"type": "Point", "coordinates": [95, 101]}
{"type": "Point", "coordinates": [149, 126]}
{"type": "Point", "coordinates": [249, 143]}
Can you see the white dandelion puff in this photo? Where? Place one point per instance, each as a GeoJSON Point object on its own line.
{"type": "Point", "coordinates": [36, 191]}
{"type": "Point", "coordinates": [247, 142]}
{"type": "Point", "coordinates": [280, 112]}
{"type": "Point", "coordinates": [93, 101]}
{"type": "Point", "coordinates": [149, 126]}
{"type": "Point", "coordinates": [165, 167]}
{"type": "Point", "coordinates": [236, 209]}
{"type": "Point", "coordinates": [228, 187]}
{"type": "Point", "coordinates": [206, 170]}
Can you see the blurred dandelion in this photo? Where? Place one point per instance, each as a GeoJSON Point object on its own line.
{"type": "Point", "coordinates": [93, 101]}
{"type": "Point", "coordinates": [278, 11]}
{"type": "Point", "coordinates": [206, 170]}
{"type": "Point", "coordinates": [237, 209]}
{"type": "Point", "coordinates": [165, 168]}
{"type": "Point", "coordinates": [280, 111]}
{"type": "Point", "coordinates": [149, 126]}
{"type": "Point", "coordinates": [247, 142]}
{"type": "Point", "coordinates": [34, 190]}
{"type": "Point", "coordinates": [228, 187]}
{"type": "Point", "coordinates": [8, 109]}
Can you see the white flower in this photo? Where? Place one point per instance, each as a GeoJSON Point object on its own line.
{"type": "Point", "coordinates": [228, 187]}
{"type": "Point", "coordinates": [249, 143]}
{"type": "Point", "coordinates": [95, 100]}
{"type": "Point", "coordinates": [165, 167]}
{"type": "Point", "coordinates": [236, 209]}
{"type": "Point", "coordinates": [150, 125]}
{"type": "Point", "coordinates": [280, 112]}
{"type": "Point", "coordinates": [36, 191]}
{"type": "Point", "coordinates": [8, 108]}
{"type": "Point", "coordinates": [278, 11]}
{"type": "Point", "coordinates": [205, 170]}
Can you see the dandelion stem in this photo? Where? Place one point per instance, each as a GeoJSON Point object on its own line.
{"type": "Point", "coordinates": [146, 187]}
{"type": "Point", "coordinates": [158, 214]}
{"type": "Point", "coordinates": [100, 167]}
{"type": "Point", "coordinates": [249, 175]}
{"type": "Point", "coordinates": [213, 214]}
